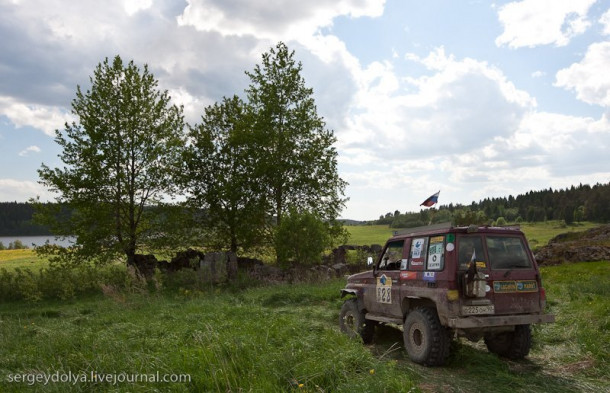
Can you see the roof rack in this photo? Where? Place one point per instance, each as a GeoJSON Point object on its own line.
{"type": "Point", "coordinates": [426, 228]}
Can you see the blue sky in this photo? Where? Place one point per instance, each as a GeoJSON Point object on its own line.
{"type": "Point", "coordinates": [474, 98]}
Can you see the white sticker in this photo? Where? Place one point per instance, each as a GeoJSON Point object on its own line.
{"type": "Point", "coordinates": [417, 248]}
{"type": "Point", "coordinates": [384, 289]}
{"type": "Point", "coordinates": [450, 247]}
{"type": "Point", "coordinates": [435, 257]}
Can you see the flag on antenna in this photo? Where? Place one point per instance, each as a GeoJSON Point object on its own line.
{"type": "Point", "coordinates": [432, 199]}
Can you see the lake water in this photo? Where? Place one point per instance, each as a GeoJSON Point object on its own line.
{"type": "Point", "coordinates": [37, 240]}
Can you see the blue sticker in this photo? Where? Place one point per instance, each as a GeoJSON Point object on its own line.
{"type": "Point", "coordinates": [382, 280]}
{"type": "Point", "coordinates": [429, 276]}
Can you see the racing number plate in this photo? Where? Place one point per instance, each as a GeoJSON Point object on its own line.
{"type": "Point", "coordinates": [478, 310]}
{"type": "Point", "coordinates": [384, 289]}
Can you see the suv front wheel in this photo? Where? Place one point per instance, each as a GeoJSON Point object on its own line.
{"type": "Point", "coordinates": [426, 340]}
{"type": "Point", "coordinates": [353, 323]}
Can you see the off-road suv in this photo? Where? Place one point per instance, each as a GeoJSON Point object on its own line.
{"type": "Point", "coordinates": [442, 282]}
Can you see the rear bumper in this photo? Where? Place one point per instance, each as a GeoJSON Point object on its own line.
{"type": "Point", "coordinates": [502, 320]}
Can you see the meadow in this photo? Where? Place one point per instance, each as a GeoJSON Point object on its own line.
{"type": "Point", "coordinates": [250, 337]}
{"type": "Point", "coordinates": [538, 233]}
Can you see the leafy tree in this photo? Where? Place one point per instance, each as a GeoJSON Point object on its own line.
{"type": "Point", "coordinates": [220, 162]}
{"type": "Point", "coordinates": [297, 162]}
{"type": "Point", "coordinates": [579, 213]}
{"type": "Point", "coordinates": [501, 221]}
{"type": "Point", "coordinates": [301, 237]}
{"type": "Point", "coordinates": [466, 217]}
{"type": "Point", "coordinates": [119, 157]}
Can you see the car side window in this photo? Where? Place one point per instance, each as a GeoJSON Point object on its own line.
{"type": "Point", "coordinates": [392, 256]}
{"type": "Point", "coordinates": [470, 249]}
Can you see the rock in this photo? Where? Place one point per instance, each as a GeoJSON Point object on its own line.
{"type": "Point", "coordinates": [248, 264]}
{"type": "Point", "coordinates": [145, 264]}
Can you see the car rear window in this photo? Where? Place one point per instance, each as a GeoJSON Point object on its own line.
{"type": "Point", "coordinates": [507, 253]}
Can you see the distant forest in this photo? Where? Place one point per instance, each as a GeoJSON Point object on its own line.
{"type": "Point", "coordinates": [577, 203]}
{"type": "Point", "coordinates": [16, 220]}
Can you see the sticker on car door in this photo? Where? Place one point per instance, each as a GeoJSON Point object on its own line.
{"type": "Point", "coordinates": [384, 289]}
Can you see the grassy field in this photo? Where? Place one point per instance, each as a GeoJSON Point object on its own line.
{"type": "Point", "coordinates": [25, 258]}
{"type": "Point", "coordinates": [368, 234]}
{"type": "Point", "coordinates": [285, 338]}
{"type": "Point", "coordinates": [538, 234]}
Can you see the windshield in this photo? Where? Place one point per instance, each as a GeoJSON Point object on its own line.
{"type": "Point", "coordinates": [507, 253]}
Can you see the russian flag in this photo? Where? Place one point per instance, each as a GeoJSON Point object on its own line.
{"type": "Point", "coordinates": [432, 199]}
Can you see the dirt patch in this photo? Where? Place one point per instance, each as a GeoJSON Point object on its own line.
{"type": "Point", "coordinates": [590, 245]}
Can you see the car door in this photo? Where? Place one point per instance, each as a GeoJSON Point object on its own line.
{"type": "Point", "coordinates": [384, 297]}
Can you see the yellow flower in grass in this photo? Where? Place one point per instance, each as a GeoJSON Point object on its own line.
{"type": "Point", "coordinates": [372, 371]}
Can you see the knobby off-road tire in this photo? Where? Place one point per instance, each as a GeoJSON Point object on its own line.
{"type": "Point", "coordinates": [512, 345]}
{"type": "Point", "coordinates": [427, 342]}
{"type": "Point", "coordinates": [353, 323]}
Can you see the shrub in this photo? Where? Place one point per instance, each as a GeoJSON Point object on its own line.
{"type": "Point", "coordinates": [65, 283]}
{"type": "Point", "coordinates": [301, 237]}
{"type": "Point", "coordinates": [501, 221]}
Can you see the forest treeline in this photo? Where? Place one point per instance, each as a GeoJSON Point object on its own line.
{"type": "Point", "coordinates": [577, 203]}
{"type": "Point", "coordinates": [16, 220]}
{"type": "Point", "coordinates": [574, 204]}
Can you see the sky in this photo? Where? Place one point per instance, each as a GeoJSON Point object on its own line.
{"type": "Point", "coordinates": [473, 98]}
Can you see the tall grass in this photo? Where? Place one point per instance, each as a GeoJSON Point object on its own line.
{"type": "Point", "coordinates": [265, 339]}
{"type": "Point", "coordinates": [286, 338]}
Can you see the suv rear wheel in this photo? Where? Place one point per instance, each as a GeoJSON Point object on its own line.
{"type": "Point", "coordinates": [353, 323]}
{"type": "Point", "coordinates": [513, 345]}
{"type": "Point", "coordinates": [426, 340]}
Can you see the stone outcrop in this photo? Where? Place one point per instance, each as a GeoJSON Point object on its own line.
{"type": "Point", "coordinates": [218, 267]}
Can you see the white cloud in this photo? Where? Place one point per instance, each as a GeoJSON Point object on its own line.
{"type": "Point", "coordinates": [44, 118]}
{"type": "Point", "coordinates": [22, 190]}
{"type": "Point", "coordinates": [589, 78]}
{"type": "Point", "coordinates": [542, 22]}
{"type": "Point", "coordinates": [538, 74]}
{"type": "Point", "coordinates": [464, 128]}
{"type": "Point", "coordinates": [133, 6]}
{"type": "Point", "coordinates": [460, 106]}
{"type": "Point", "coordinates": [277, 20]}
{"type": "Point", "coordinates": [30, 149]}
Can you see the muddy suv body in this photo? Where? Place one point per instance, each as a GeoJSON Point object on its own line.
{"type": "Point", "coordinates": [443, 282]}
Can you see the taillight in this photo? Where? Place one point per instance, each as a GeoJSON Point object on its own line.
{"type": "Point", "coordinates": [542, 294]}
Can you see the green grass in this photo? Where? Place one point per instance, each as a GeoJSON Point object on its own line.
{"type": "Point", "coordinates": [539, 233]}
{"type": "Point", "coordinates": [262, 340]}
{"type": "Point", "coordinates": [25, 259]}
{"type": "Point", "coordinates": [277, 338]}
{"type": "Point", "coordinates": [286, 338]}
{"type": "Point", "coordinates": [361, 235]}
